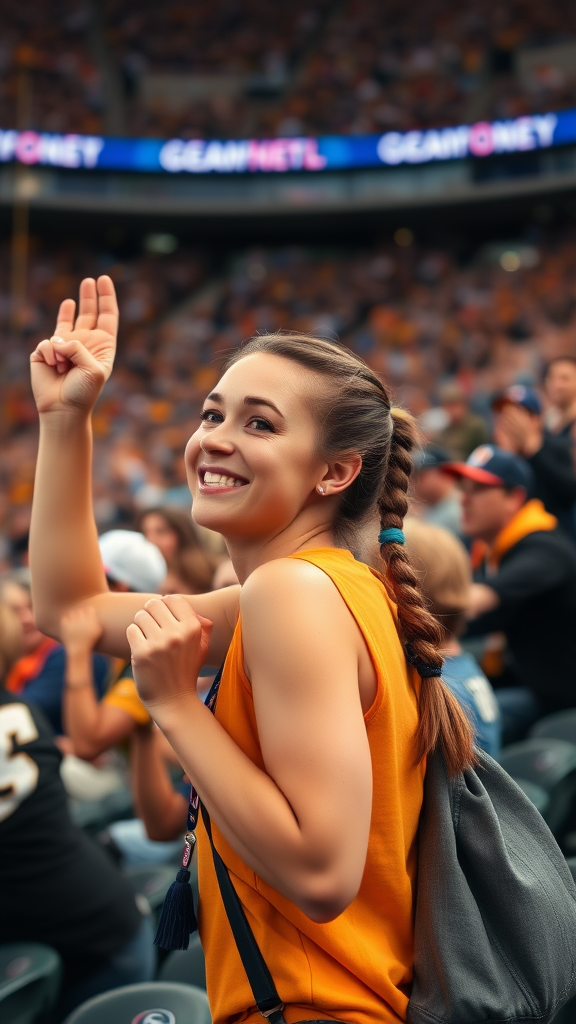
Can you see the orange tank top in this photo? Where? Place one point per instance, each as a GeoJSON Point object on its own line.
{"type": "Point", "coordinates": [357, 968]}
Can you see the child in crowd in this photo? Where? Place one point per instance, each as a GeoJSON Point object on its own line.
{"type": "Point", "coordinates": [443, 564]}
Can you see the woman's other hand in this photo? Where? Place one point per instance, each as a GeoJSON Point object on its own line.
{"type": "Point", "coordinates": [70, 369]}
{"type": "Point", "coordinates": [80, 629]}
{"type": "Point", "coordinates": [169, 644]}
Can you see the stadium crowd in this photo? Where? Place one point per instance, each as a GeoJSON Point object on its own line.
{"type": "Point", "coordinates": [310, 69]}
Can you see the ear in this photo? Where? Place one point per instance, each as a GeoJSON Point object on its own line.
{"type": "Point", "coordinates": [520, 496]}
{"type": "Point", "coordinates": [339, 475]}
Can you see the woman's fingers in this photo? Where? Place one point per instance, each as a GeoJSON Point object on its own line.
{"type": "Point", "coordinates": [65, 320]}
{"type": "Point", "coordinates": [159, 612]}
{"type": "Point", "coordinates": [135, 638]}
{"type": "Point", "coordinates": [146, 623]}
{"type": "Point", "coordinates": [180, 608]}
{"type": "Point", "coordinates": [44, 353]}
{"type": "Point", "coordinates": [107, 306]}
{"type": "Point", "coordinates": [88, 306]}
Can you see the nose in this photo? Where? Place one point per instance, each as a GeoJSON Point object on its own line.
{"type": "Point", "coordinates": [217, 441]}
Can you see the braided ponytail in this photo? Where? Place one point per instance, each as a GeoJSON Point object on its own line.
{"type": "Point", "coordinates": [441, 717]}
{"type": "Point", "coordinates": [353, 414]}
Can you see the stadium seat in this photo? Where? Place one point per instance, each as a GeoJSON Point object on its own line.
{"type": "Point", "coordinates": [160, 1001]}
{"type": "Point", "coordinates": [185, 965]}
{"type": "Point", "coordinates": [549, 764]}
{"type": "Point", "coordinates": [536, 794]}
{"type": "Point", "coordinates": [29, 981]}
{"type": "Point", "coordinates": [560, 726]}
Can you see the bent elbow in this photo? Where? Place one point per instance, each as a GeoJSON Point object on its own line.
{"type": "Point", "coordinates": [327, 898]}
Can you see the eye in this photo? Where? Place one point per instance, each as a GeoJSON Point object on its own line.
{"type": "Point", "coordinates": [260, 424]}
{"type": "Point", "coordinates": [211, 416]}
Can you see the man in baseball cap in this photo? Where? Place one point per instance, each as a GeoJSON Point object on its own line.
{"type": "Point", "coordinates": [525, 583]}
{"type": "Point", "coordinates": [519, 428]}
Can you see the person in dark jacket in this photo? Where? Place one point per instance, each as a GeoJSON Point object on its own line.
{"type": "Point", "coordinates": [525, 584]}
{"type": "Point", "coordinates": [519, 428]}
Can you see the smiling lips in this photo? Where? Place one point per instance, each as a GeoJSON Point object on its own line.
{"type": "Point", "coordinates": [216, 480]}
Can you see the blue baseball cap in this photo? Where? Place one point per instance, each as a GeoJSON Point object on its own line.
{"type": "Point", "coordinates": [494, 467]}
{"type": "Point", "coordinates": [518, 394]}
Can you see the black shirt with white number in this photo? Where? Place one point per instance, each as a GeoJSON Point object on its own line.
{"type": "Point", "coordinates": [56, 885]}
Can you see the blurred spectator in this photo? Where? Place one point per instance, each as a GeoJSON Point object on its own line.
{"type": "Point", "coordinates": [519, 428]}
{"type": "Point", "coordinates": [190, 567]}
{"type": "Point", "coordinates": [437, 497]}
{"type": "Point", "coordinates": [526, 584]}
{"type": "Point", "coordinates": [464, 431]}
{"type": "Point", "coordinates": [38, 675]}
{"type": "Point", "coordinates": [225, 575]}
{"type": "Point", "coordinates": [443, 565]}
{"type": "Point", "coordinates": [560, 386]}
{"type": "Point", "coordinates": [57, 886]}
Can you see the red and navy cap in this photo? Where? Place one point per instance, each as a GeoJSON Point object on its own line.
{"type": "Point", "coordinates": [518, 394]}
{"type": "Point", "coordinates": [494, 467]}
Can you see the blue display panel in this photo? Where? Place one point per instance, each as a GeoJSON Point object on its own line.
{"type": "Point", "coordinates": [275, 156]}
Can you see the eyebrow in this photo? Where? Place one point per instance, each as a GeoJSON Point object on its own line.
{"type": "Point", "coordinates": [214, 396]}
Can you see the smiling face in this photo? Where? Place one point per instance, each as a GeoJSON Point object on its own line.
{"type": "Point", "coordinates": [253, 464]}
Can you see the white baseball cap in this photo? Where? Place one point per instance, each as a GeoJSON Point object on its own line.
{"type": "Point", "coordinates": [131, 559]}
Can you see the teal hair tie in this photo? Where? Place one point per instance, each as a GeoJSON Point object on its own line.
{"type": "Point", "coordinates": [391, 536]}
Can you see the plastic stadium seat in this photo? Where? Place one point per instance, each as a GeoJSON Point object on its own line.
{"type": "Point", "coordinates": [185, 965]}
{"type": "Point", "coordinates": [560, 726]}
{"type": "Point", "coordinates": [536, 794]}
{"type": "Point", "coordinates": [163, 1002]}
{"type": "Point", "coordinates": [549, 764]}
{"type": "Point", "coordinates": [29, 981]}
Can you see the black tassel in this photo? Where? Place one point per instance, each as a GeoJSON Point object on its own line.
{"type": "Point", "coordinates": [178, 919]}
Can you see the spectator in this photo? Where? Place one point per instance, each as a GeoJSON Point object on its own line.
{"type": "Point", "coordinates": [190, 567]}
{"type": "Point", "coordinates": [519, 428]}
{"type": "Point", "coordinates": [560, 386]}
{"type": "Point", "coordinates": [57, 886]}
{"type": "Point", "coordinates": [464, 430]}
{"type": "Point", "coordinates": [525, 584]}
{"type": "Point", "coordinates": [437, 497]}
{"type": "Point", "coordinates": [444, 568]}
{"type": "Point", "coordinates": [38, 676]}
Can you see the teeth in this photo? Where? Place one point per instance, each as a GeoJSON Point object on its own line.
{"type": "Point", "coordinates": [219, 480]}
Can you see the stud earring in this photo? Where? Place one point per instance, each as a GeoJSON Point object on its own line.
{"type": "Point", "coordinates": [320, 489]}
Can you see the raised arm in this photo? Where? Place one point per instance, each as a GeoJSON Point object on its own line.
{"type": "Point", "coordinates": [68, 374]}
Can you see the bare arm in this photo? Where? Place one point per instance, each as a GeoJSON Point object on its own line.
{"type": "Point", "coordinates": [287, 826]}
{"type": "Point", "coordinates": [161, 809]}
{"type": "Point", "coordinates": [67, 377]}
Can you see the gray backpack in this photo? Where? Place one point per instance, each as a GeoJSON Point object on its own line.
{"type": "Point", "coordinates": [495, 929]}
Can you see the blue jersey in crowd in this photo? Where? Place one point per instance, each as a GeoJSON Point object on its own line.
{"type": "Point", "coordinates": [463, 675]}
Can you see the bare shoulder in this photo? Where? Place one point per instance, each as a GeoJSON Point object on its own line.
{"type": "Point", "coordinates": [291, 593]}
{"type": "Point", "coordinates": [287, 578]}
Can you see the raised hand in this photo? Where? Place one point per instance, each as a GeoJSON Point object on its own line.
{"type": "Point", "coordinates": [70, 369]}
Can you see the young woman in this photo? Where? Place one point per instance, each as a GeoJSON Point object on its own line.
{"type": "Point", "coordinates": [190, 568]}
{"type": "Point", "coordinates": [312, 767]}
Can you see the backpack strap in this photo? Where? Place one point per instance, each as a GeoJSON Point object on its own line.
{"type": "Point", "coordinates": [263, 988]}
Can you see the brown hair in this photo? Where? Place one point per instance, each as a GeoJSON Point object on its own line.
{"type": "Point", "coordinates": [192, 563]}
{"type": "Point", "coordinates": [443, 566]}
{"type": "Point", "coordinates": [355, 417]}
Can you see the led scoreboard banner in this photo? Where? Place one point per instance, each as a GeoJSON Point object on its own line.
{"type": "Point", "coordinates": [281, 155]}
